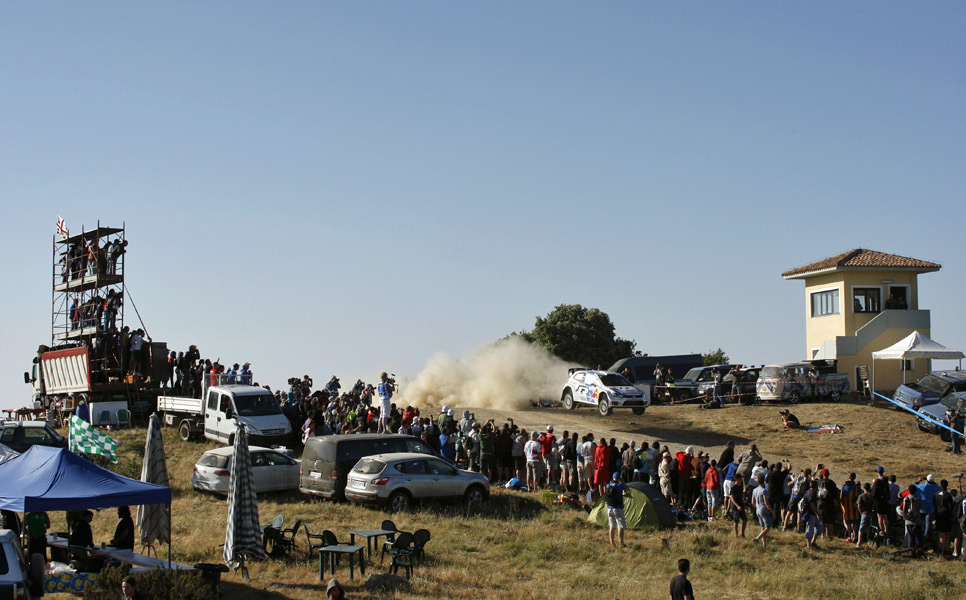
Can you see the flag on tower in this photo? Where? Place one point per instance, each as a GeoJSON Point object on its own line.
{"type": "Point", "coordinates": [62, 227]}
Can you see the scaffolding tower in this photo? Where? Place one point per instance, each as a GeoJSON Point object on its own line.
{"type": "Point", "coordinates": [88, 297]}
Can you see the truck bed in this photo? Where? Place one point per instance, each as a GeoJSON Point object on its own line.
{"type": "Point", "coordinates": [180, 404]}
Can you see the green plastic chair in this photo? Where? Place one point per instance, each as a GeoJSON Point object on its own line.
{"type": "Point", "coordinates": [123, 418]}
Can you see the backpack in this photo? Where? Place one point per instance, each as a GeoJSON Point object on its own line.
{"type": "Point", "coordinates": [802, 505]}
{"type": "Point", "coordinates": [797, 486]}
{"type": "Point", "coordinates": [944, 505]}
{"type": "Point", "coordinates": [638, 463]}
{"type": "Point", "coordinates": [614, 496]}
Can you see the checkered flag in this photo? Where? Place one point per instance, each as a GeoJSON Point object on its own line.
{"type": "Point", "coordinates": [85, 439]}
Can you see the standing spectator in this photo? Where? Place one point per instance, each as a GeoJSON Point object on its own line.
{"type": "Point", "coordinates": [911, 509]}
{"type": "Point", "coordinates": [628, 460]}
{"type": "Point", "coordinates": [850, 510]}
{"type": "Point", "coordinates": [737, 505]}
{"type": "Point", "coordinates": [763, 510]}
{"type": "Point", "coordinates": [747, 461]}
{"type": "Point", "coordinates": [809, 509]}
{"type": "Point", "coordinates": [547, 442]}
{"type": "Point", "coordinates": [384, 390]}
{"type": "Point", "coordinates": [926, 492]}
{"type": "Point", "coordinates": [601, 467]}
{"type": "Point", "coordinates": [588, 450]}
{"type": "Point", "coordinates": [532, 451]}
{"type": "Point", "coordinates": [730, 472]}
{"type": "Point", "coordinates": [727, 455]}
{"type": "Point", "coordinates": [488, 449]}
{"type": "Point", "coordinates": [716, 398]}
{"type": "Point", "coordinates": [519, 458]}
{"type": "Point", "coordinates": [664, 476]}
{"type": "Point", "coordinates": [653, 461]}
{"type": "Point", "coordinates": [447, 446]}
{"type": "Point", "coordinates": [680, 586]}
{"type": "Point", "coordinates": [880, 501]}
{"type": "Point", "coordinates": [712, 488]}
{"type": "Point", "coordinates": [37, 524]}
{"type": "Point", "coordinates": [866, 506]}
{"type": "Point", "coordinates": [245, 375]}
{"type": "Point", "coordinates": [945, 510]}
{"type": "Point", "coordinates": [615, 491]}
{"type": "Point", "coordinates": [570, 464]}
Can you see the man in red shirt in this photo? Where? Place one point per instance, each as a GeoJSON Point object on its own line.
{"type": "Point", "coordinates": [547, 441]}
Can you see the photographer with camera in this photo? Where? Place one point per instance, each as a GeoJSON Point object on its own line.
{"type": "Point", "coordinates": [386, 387]}
{"type": "Point", "coordinates": [790, 420]}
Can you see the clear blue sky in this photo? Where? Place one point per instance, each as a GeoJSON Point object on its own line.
{"type": "Point", "coordinates": [344, 188]}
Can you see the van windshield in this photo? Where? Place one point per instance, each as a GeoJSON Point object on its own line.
{"type": "Point", "coordinates": [258, 405]}
{"type": "Point", "coordinates": [771, 373]}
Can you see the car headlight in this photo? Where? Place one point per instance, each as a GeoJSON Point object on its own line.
{"type": "Point", "coordinates": [252, 430]}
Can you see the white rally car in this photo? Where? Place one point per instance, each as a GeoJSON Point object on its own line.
{"type": "Point", "coordinates": [605, 390]}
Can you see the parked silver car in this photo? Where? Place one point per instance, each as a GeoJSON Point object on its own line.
{"type": "Point", "coordinates": [15, 578]}
{"type": "Point", "coordinates": [272, 470]}
{"type": "Point", "coordinates": [399, 479]}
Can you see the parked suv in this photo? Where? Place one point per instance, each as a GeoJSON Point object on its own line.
{"type": "Point", "coordinates": [932, 388]}
{"type": "Point", "coordinates": [397, 480]}
{"type": "Point", "coordinates": [327, 459]}
{"type": "Point", "coordinates": [955, 401]}
{"type": "Point", "coordinates": [21, 435]}
{"type": "Point", "coordinates": [698, 383]}
{"type": "Point", "coordinates": [15, 580]}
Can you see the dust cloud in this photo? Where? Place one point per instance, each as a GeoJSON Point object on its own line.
{"type": "Point", "coordinates": [507, 375]}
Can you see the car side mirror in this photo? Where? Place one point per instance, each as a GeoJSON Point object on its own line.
{"type": "Point", "coordinates": [26, 377]}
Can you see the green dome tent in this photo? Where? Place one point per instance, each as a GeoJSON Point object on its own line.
{"type": "Point", "coordinates": [639, 511]}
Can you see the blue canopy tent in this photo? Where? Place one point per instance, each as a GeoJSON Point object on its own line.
{"type": "Point", "coordinates": [43, 479]}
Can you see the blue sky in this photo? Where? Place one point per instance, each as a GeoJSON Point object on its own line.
{"type": "Point", "coordinates": [345, 188]}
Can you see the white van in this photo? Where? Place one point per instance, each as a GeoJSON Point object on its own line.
{"type": "Point", "coordinates": [791, 382]}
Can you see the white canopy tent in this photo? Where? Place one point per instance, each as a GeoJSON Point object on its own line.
{"type": "Point", "coordinates": [913, 346]}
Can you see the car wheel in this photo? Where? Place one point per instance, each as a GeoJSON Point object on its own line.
{"type": "Point", "coordinates": [794, 397]}
{"type": "Point", "coordinates": [638, 411]}
{"type": "Point", "coordinates": [603, 405]}
{"type": "Point", "coordinates": [835, 396]}
{"type": "Point", "coordinates": [399, 502]}
{"type": "Point", "coordinates": [945, 436]}
{"type": "Point", "coordinates": [682, 396]}
{"type": "Point", "coordinates": [568, 400]}
{"type": "Point", "coordinates": [474, 497]}
{"type": "Point", "coordinates": [185, 431]}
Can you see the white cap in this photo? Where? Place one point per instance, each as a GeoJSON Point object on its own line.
{"type": "Point", "coordinates": [930, 478]}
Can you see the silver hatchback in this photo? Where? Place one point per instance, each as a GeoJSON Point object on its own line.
{"type": "Point", "coordinates": [398, 480]}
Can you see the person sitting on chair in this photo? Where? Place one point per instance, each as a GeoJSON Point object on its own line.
{"type": "Point", "coordinates": [790, 420]}
{"type": "Point", "coordinates": [124, 533]}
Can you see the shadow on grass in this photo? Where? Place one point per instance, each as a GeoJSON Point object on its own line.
{"type": "Point", "coordinates": [689, 436]}
{"type": "Point", "coordinates": [240, 591]}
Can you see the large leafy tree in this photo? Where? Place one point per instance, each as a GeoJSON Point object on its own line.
{"type": "Point", "coordinates": [715, 357]}
{"type": "Point", "coordinates": [580, 335]}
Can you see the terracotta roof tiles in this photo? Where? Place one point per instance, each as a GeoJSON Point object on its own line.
{"type": "Point", "coordinates": [860, 258]}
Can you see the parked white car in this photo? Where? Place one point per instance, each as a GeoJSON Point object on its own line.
{"type": "Point", "coordinates": [399, 479]}
{"type": "Point", "coordinates": [605, 390]}
{"type": "Point", "coordinates": [17, 579]}
{"type": "Point", "coordinates": [272, 470]}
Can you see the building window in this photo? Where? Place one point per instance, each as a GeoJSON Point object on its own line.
{"type": "Point", "coordinates": [908, 365]}
{"type": "Point", "coordinates": [865, 300]}
{"type": "Point", "coordinates": [825, 303]}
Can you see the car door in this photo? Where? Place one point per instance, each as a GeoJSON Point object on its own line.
{"type": "Point", "coordinates": [284, 471]}
{"type": "Point", "coordinates": [414, 476]}
{"type": "Point", "coordinates": [261, 472]}
{"type": "Point", "coordinates": [445, 479]}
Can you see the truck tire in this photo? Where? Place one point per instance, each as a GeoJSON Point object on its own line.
{"type": "Point", "coordinates": [568, 400]}
{"type": "Point", "coordinates": [184, 430]}
{"type": "Point", "coordinates": [603, 405]}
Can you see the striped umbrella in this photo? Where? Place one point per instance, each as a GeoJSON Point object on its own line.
{"type": "Point", "coordinates": [154, 520]}
{"type": "Point", "coordinates": [243, 538]}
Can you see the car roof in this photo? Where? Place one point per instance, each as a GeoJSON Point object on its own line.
{"type": "Point", "coordinates": [394, 456]}
{"type": "Point", "coordinates": [950, 376]}
{"type": "Point", "coordinates": [229, 450]}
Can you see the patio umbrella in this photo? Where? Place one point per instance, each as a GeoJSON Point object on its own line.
{"type": "Point", "coordinates": [243, 538]}
{"type": "Point", "coordinates": [154, 520]}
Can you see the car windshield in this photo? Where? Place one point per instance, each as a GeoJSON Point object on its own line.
{"type": "Point", "coordinates": [256, 405]}
{"type": "Point", "coordinates": [951, 401]}
{"type": "Point", "coordinates": [369, 466]}
{"type": "Point", "coordinates": [931, 383]}
{"type": "Point", "coordinates": [693, 373]}
{"type": "Point", "coordinates": [614, 379]}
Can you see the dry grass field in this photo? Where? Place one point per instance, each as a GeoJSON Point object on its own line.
{"type": "Point", "coordinates": [519, 547]}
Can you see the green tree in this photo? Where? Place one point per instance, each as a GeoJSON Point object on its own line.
{"type": "Point", "coordinates": [715, 357]}
{"type": "Point", "coordinates": [584, 336]}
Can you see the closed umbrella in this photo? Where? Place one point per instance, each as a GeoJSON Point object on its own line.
{"type": "Point", "coordinates": [154, 520]}
{"type": "Point", "coordinates": [243, 538]}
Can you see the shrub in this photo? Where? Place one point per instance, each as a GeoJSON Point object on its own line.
{"type": "Point", "coordinates": [157, 585]}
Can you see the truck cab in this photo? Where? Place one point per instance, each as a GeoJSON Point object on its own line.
{"type": "Point", "coordinates": [252, 406]}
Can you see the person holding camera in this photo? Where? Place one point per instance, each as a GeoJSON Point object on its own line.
{"type": "Point", "coordinates": [790, 421]}
{"type": "Point", "coordinates": [385, 390]}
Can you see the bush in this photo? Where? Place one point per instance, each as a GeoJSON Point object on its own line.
{"type": "Point", "coordinates": [156, 585]}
